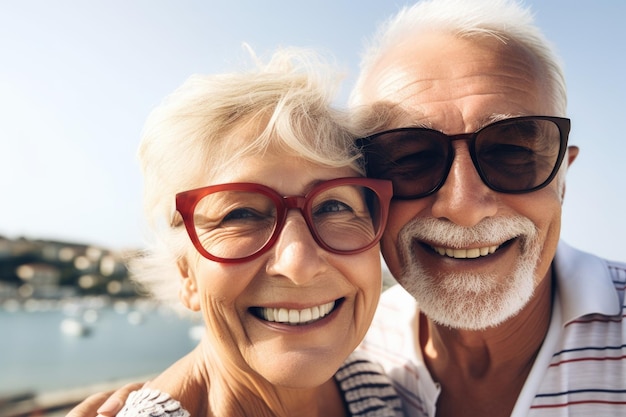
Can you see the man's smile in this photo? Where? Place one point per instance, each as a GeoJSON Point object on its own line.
{"type": "Point", "coordinates": [465, 253]}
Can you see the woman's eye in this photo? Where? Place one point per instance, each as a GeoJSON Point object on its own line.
{"type": "Point", "coordinates": [240, 214]}
{"type": "Point", "coordinates": [331, 206]}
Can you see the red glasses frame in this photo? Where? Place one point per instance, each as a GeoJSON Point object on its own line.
{"type": "Point", "coordinates": [186, 203]}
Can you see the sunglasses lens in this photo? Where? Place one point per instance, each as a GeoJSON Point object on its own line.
{"type": "Point", "coordinates": [415, 160]}
{"type": "Point", "coordinates": [518, 156]}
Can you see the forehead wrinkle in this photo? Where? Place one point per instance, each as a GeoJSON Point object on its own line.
{"type": "Point", "coordinates": [431, 94]}
{"type": "Point", "coordinates": [406, 107]}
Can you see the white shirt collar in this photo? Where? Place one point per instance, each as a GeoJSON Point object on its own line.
{"type": "Point", "coordinates": [584, 284]}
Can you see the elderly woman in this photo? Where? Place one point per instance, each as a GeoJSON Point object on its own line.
{"type": "Point", "coordinates": [267, 228]}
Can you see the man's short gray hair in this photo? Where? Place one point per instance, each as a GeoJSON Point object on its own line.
{"type": "Point", "coordinates": [505, 20]}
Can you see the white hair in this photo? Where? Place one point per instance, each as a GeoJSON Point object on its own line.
{"type": "Point", "coordinates": [505, 20]}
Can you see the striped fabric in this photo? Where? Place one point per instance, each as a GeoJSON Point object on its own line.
{"type": "Point", "coordinates": [580, 370]}
{"type": "Point", "coordinates": [367, 391]}
{"type": "Point", "coordinates": [390, 340]}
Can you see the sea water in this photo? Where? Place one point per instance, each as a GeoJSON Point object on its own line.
{"type": "Point", "coordinates": [52, 349]}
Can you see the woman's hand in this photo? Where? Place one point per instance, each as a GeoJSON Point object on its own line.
{"type": "Point", "coordinates": [104, 403]}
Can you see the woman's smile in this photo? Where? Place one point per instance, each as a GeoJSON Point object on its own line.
{"type": "Point", "coordinates": [295, 317]}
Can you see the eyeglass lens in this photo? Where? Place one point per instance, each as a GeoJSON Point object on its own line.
{"type": "Point", "coordinates": [511, 156]}
{"type": "Point", "coordinates": [232, 224]}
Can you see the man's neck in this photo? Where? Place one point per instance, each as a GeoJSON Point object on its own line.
{"type": "Point", "coordinates": [474, 367]}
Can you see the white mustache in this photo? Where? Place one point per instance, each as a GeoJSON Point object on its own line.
{"type": "Point", "coordinates": [489, 232]}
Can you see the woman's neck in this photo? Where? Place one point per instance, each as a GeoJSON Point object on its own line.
{"type": "Point", "coordinates": [207, 386]}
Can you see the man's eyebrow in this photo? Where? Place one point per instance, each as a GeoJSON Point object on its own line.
{"type": "Point", "coordinates": [427, 124]}
{"type": "Point", "coordinates": [419, 125]}
{"type": "Point", "coordinates": [495, 117]}
{"type": "Point", "coordinates": [485, 121]}
{"type": "Point", "coordinates": [414, 121]}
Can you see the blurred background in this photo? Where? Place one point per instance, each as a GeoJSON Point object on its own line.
{"type": "Point", "coordinates": [78, 79]}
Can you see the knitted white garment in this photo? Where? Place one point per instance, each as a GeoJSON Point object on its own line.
{"type": "Point", "coordinates": [151, 403]}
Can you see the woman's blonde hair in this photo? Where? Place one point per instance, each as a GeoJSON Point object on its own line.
{"type": "Point", "coordinates": [282, 106]}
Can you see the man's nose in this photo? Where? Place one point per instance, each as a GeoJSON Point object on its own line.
{"type": "Point", "coordinates": [464, 199]}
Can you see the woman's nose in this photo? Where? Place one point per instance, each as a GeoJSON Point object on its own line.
{"type": "Point", "coordinates": [295, 254]}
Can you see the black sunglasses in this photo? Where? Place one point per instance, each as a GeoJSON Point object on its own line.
{"type": "Point", "coordinates": [516, 155]}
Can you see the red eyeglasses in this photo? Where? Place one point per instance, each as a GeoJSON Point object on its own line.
{"type": "Point", "coordinates": [238, 222]}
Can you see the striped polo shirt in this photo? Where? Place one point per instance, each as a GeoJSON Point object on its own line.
{"type": "Point", "coordinates": [366, 390]}
{"type": "Point", "coordinates": [580, 369]}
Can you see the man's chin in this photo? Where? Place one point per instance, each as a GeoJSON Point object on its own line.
{"type": "Point", "coordinates": [469, 302]}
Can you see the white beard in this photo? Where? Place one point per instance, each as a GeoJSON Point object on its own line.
{"type": "Point", "coordinates": [469, 300]}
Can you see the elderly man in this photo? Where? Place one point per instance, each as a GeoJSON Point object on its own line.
{"type": "Point", "coordinates": [493, 315]}
{"type": "Point", "coordinates": [500, 318]}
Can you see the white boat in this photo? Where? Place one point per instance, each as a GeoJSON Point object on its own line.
{"type": "Point", "coordinates": [73, 327]}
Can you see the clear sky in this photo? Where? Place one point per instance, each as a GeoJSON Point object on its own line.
{"type": "Point", "coordinates": [78, 78]}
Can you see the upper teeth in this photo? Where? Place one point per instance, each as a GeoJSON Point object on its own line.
{"type": "Point", "coordinates": [291, 316]}
{"type": "Point", "coordinates": [466, 253]}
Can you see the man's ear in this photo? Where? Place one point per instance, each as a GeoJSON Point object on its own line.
{"type": "Point", "coordinates": [188, 292]}
{"type": "Point", "coordinates": [572, 153]}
